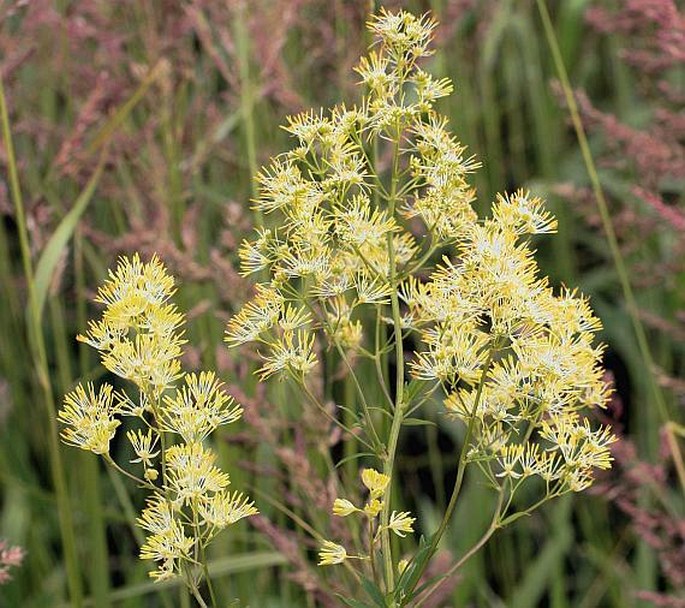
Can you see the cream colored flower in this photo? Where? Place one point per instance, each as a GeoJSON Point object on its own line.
{"type": "Point", "coordinates": [401, 523]}
{"type": "Point", "coordinates": [331, 554]}
{"type": "Point", "coordinates": [376, 482]}
{"type": "Point", "coordinates": [343, 507]}
{"type": "Point", "coordinates": [89, 417]}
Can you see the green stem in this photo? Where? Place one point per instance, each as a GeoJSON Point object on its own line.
{"type": "Point", "coordinates": [349, 417]}
{"type": "Point", "coordinates": [92, 490]}
{"type": "Point", "coordinates": [247, 98]}
{"type": "Point", "coordinates": [126, 504]}
{"type": "Point", "coordinates": [372, 549]}
{"type": "Point", "coordinates": [196, 594]}
{"type": "Point", "coordinates": [205, 571]}
{"type": "Point", "coordinates": [494, 525]}
{"type": "Point", "coordinates": [200, 555]}
{"type": "Point", "coordinates": [398, 413]}
{"type": "Point", "coordinates": [37, 339]}
{"type": "Point", "coordinates": [325, 412]}
{"type": "Point", "coordinates": [379, 358]}
{"type": "Point", "coordinates": [141, 482]}
{"type": "Point", "coordinates": [461, 467]}
{"type": "Point", "coordinates": [378, 444]}
{"type": "Point", "coordinates": [163, 444]}
{"type": "Point", "coordinates": [418, 265]}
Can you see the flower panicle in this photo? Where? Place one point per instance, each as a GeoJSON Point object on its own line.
{"type": "Point", "coordinates": [140, 338]}
{"type": "Point", "coordinates": [363, 204]}
{"type": "Point", "coordinates": [139, 335]}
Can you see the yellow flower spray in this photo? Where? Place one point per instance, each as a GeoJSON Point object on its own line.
{"type": "Point", "coordinates": [347, 269]}
{"type": "Point", "coordinates": [140, 339]}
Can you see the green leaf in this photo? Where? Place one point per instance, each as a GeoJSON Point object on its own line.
{"type": "Point", "coordinates": [540, 572]}
{"type": "Point", "coordinates": [429, 583]}
{"type": "Point", "coordinates": [412, 390]}
{"type": "Point", "coordinates": [57, 243]}
{"type": "Point", "coordinates": [227, 566]}
{"type": "Point", "coordinates": [52, 253]}
{"type": "Point", "coordinates": [417, 422]}
{"type": "Point", "coordinates": [380, 410]}
{"type": "Point", "coordinates": [351, 603]}
{"type": "Point", "coordinates": [412, 573]}
{"type": "Point", "coordinates": [374, 592]}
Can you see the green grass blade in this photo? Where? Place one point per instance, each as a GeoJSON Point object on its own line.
{"type": "Point", "coordinates": [541, 571]}
{"type": "Point", "coordinates": [603, 208]}
{"type": "Point", "coordinates": [55, 247]}
{"type": "Point", "coordinates": [103, 136]}
{"type": "Point", "coordinates": [40, 361]}
{"type": "Point", "coordinates": [217, 568]}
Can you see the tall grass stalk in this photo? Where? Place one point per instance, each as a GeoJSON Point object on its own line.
{"type": "Point", "coordinates": [92, 488]}
{"type": "Point", "coordinates": [38, 347]}
{"type": "Point", "coordinates": [645, 561]}
{"type": "Point", "coordinates": [610, 232]}
{"type": "Point", "coordinates": [247, 97]}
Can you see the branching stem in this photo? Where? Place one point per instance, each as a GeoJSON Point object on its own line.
{"type": "Point", "coordinates": [461, 467]}
{"type": "Point", "coordinates": [398, 414]}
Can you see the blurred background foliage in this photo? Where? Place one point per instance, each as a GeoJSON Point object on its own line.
{"type": "Point", "coordinates": [137, 126]}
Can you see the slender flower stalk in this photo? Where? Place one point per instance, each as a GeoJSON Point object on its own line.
{"type": "Point", "coordinates": [398, 410]}
{"type": "Point", "coordinates": [607, 224]}
{"type": "Point", "coordinates": [39, 351]}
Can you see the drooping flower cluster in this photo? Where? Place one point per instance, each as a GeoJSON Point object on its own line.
{"type": "Point", "coordinates": [140, 339]}
{"type": "Point", "coordinates": [400, 523]}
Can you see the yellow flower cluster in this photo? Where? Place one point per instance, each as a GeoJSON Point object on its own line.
{"type": "Point", "coordinates": [504, 346]}
{"type": "Point", "coordinates": [366, 198]}
{"type": "Point", "coordinates": [401, 523]}
{"type": "Point", "coordinates": [90, 418]}
{"type": "Point", "coordinates": [140, 339]}
{"type": "Point", "coordinates": [341, 238]}
{"type": "Point", "coordinates": [139, 336]}
{"type": "Point", "coordinates": [511, 355]}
